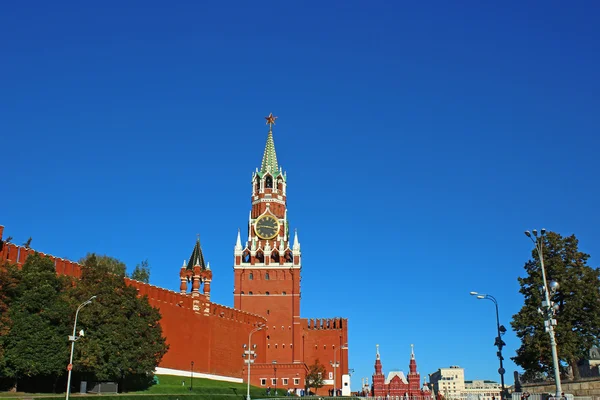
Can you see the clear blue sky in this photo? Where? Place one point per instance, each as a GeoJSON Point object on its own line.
{"type": "Point", "coordinates": [420, 141]}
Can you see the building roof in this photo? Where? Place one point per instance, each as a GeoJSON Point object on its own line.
{"type": "Point", "coordinates": [393, 374]}
{"type": "Point", "coordinates": [197, 258]}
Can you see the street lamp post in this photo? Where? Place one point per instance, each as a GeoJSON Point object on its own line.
{"type": "Point", "coordinates": [249, 352]}
{"type": "Point", "coordinates": [275, 371]}
{"type": "Point", "coordinates": [499, 342]}
{"type": "Point", "coordinates": [73, 338]}
{"type": "Point", "coordinates": [547, 305]}
{"type": "Point", "coordinates": [335, 364]}
{"type": "Point", "coordinates": [192, 377]}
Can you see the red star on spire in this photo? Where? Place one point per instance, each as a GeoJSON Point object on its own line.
{"type": "Point", "coordinates": [271, 119]}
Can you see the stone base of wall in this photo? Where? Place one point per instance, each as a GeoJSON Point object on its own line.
{"type": "Point", "coordinates": [585, 387]}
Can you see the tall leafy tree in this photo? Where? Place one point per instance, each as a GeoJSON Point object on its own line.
{"type": "Point", "coordinates": [105, 262]}
{"type": "Point", "coordinates": [141, 272]}
{"type": "Point", "coordinates": [315, 376]}
{"type": "Point", "coordinates": [578, 313]}
{"type": "Point", "coordinates": [36, 345]}
{"type": "Point", "coordinates": [8, 286]}
{"type": "Point", "coordinates": [123, 340]}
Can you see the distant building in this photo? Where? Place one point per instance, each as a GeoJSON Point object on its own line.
{"type": "Point", "coordinates": [449, 382]}
{"type": "Point", "coordinates": [398, 386]}
{"type": "Point", "coordinates": [481, 390]}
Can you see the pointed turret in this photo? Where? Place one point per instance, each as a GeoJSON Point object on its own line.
{"type": "Point", "coordinates": [197, 258]}
{"type": "Point", "coordinates": [296, 246]}
{"type": "Point", "coordinates": [238, 243]}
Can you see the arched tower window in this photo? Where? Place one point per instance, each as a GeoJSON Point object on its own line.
{"type": "Point", "coordinates": [269, 182]}
{"type": "Point", "coordinates": [256, 185]}
{"type": "Point", "coordinates": [251, 276]}
{"type": "Point", "coordinates": [260, 257]}
{"type": "Point", "coordinates": [267, 277]}
{"type": "Point", "coordinates": [275, 256]}
{"type": "Point", "coordinates": [289, 256]}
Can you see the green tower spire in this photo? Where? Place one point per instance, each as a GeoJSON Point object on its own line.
{"type": "Point", "coordinates": [269, 161]}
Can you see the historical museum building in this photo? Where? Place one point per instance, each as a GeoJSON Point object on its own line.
{"type": "Point", "coordinates": [397, 385]}
{"type": "Point", "coordinates": [265, 320]}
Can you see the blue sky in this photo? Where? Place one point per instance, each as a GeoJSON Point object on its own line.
{"type": "Point", "coordinates": [420, 141]}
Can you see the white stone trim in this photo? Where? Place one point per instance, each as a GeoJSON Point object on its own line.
{"type": "Point", "coordinates": [271, 266]}
{"type": "Point", "coordinates": [269, 200]}
{"type": "Point", "coordinates": [178, 372]}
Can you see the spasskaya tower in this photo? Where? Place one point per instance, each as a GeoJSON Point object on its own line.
{"type": "Point", "coordinates": [267, 270]}
{"type": "Point", "coordinates": [267, 267]}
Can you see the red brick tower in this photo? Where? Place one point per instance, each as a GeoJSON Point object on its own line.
{"type": "Point", "coordinates": [378, 377]}
{"type": "Point", "coordinates": [414, 378]}
{"type": "Point", "coordinates": [267, 268]}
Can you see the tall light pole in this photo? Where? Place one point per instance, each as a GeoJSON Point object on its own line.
{"type": "Point", "coordinates": [548, 307]}
{"type": "Point", "coordinates": [192, 377]}
{"type": "Point", "coordinates": [249, 352]}
{"type": "Point", "coordinates": [275, 370]}
{"type": "Point", "coordinates": [73, 338]}
{"type": "Point", "coordinates": [335, 364]}
{"type": "Point", "coordinates": [499, 342]}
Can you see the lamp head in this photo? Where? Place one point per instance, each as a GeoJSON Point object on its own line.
{"type": "Point", "coordinates": [543, 231]}
{"type": "Point", "coordinates": [502, 329]}
{"type": "Point", "coordinates": [473, 293]}
{"type": "Point", "coordinates": [81, 333]}
{"type": "Point", "coordinates": [244, 346]}
{"type": "Point", "coordinates": [554, 286]}
{"type": "Point", "coordinates": [480, 296]}
{"type": "Point", "coordinates": [527, 233]}
{"type": "Point", "coordinates": [535, 232]}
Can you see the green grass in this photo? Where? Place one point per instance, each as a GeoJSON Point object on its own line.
{"type": "Point", "coordinates": [172, 384]}
{"type": "Point", "coordinates": [169, 388]}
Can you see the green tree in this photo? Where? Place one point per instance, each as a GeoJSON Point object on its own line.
{"type": "Point", "coordinates": [141, 272]}
{"type": "Point", "coordinates": [123, 340]}
{"type": "Point", "coordinates": [35, 345]}
{"type": "Point", "coordinates": [315, 376]}
{"type": "Point", "coordinates": [578, 313]}
{"type": "Point", "coordinates": [105, 262]}
{"type": "Point", "coordinates": [8, 286]}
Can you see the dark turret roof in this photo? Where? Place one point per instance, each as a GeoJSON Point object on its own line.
{"type": "Point", "coordinates": [197, 257]}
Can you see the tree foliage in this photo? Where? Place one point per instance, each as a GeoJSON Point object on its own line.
{"type": "Point", "coordinates": [106, 263]}
{"type": "Point", "coordinates": [141, 272]}
{"type": "Point", "coordinates": [35, 345]}
{"type": "Point", "coordinates": [8, 286]}
{"type": "Point", "coordinates": [124, 339]}
{"type": "Point", "coordinates": [578, 313]}
{"type": "Point", "coordinates": [315, 375]}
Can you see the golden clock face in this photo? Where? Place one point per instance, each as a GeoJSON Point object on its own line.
{"type": "Point", "coordinates": [267, 227]}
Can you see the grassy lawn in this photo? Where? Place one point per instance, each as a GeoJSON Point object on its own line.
{"type": "Point", "coordinates": [168, 388]}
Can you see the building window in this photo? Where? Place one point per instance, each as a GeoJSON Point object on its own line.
{"type": "Point", "coordinates": [263, 381]}
{"type": "Point", "coordinates": [251, 276]}
{"type": "Point", "coordinates": [273, 381]}
{"type": "Point", "coordinates": [250, 293]}
{"type": "Point", "coordinates": [267, 276]}
{"type": "Point", "coordinates": [331, 375]}
{"type": "Point", "coordinates": [285, 381]}
{"type": "Point", "coordinates": [242, 293]}
{"type": "Point", "coordinates": [283, 293]}
{"type": "Point", "coordinates": [296, 381]}
{"type": "Point", "coordinates": [268, 312]}
{"type": "Point", "coordinates": [267, 293]}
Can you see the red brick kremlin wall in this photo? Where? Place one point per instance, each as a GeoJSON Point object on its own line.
{"type": "Point", "coordinates": [209, 334]}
